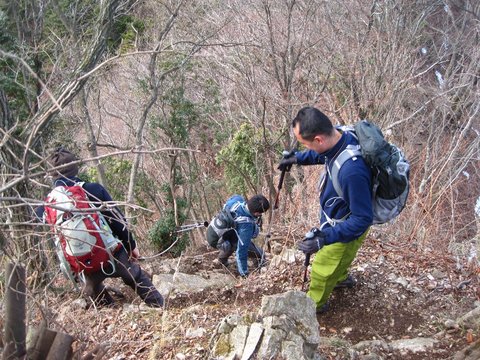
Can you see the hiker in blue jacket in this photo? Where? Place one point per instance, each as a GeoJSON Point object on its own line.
{"type": "Point", "coordinates": [125, 256]}
{"type": "Point", "coordinates": [344, 222]}
{"type": "Point", "coordinates": [246, 214]}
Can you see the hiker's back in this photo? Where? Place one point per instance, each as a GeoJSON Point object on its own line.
{"type": "Point", "coordinates": [83, 237]}
{"type": "Point", "coordinates": [390, 170]}
{"type": "Point", "coordinates": [232, 200]}
{"type": "Point", "coordinates": [225, 220]}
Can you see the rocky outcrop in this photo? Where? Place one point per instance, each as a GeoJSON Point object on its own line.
{"type": "Point", "coordinates": [403, 346]}
{"type": "Point", "coordinates": [470, 320]}
{"type": "Point", "coordinates": [285, 327]}
{"type": "Point", "coordinates": [471, 352]}
{"type": "Point", "coordinates": [180, 283]}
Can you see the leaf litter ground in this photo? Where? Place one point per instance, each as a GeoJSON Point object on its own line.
{"type": "Point", "coordinates": [400, 294]}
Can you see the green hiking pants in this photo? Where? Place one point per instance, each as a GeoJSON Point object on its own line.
{"type": "Point", "coordinates": [330, 266]}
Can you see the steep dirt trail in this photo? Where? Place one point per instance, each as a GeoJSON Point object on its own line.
{"type": "Point", "coordinates": [400, 294]}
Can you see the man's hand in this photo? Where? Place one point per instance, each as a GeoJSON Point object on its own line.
{"type": "Point", "coordinates": [288, 160]}
{"type": "Point", "coordinates": [314, 240]}
{"type": "Point", "coordinates": [135, 254]}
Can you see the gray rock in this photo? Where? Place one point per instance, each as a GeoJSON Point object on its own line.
{"type": "Point", "coordinates": [373, 344]}
{"type": "Point", "coordinates": [271, 343]}
{"type": "Point", "coordinates": [289, 329]}
{"type": "Point", "coordinates": [277, 322]}
{"type": "Point", "coordinates": [238, 337]}
{"type": "Point", "coordinates": [471, 319]}
{"type": "Point", "coordinates": [254, 336]}
{"type": "Point", "coordinates": [372, 356]}
{"type": "Point", "coordinates": [471, 352]}
{"type": "Point", "coordinates": [293, 348]}
{"type": "Point", "coordinates": [131, 308]}
{"type": "Point", "coordinates": [297, 308]}
{"type": "Point", "coordinates": [222, 347]}
{"type": "Point", "coordinates": [194, 333]}
{"type": "Point", "coordinates": [227, 324]}
{"type": "Point", "coordinates": [450, 324]}
{"type": "Point", "coordinates": [190, 283]}
{"type": "Point", "coordinates": [413, 345]}
{"type": "Point", "coordinates": [286, 256]}
{"type": "Point", "coordinates": [233, 320]}
{"type": "Point", "coordinates": [79, 304]}
{"type": "Point", "coordinates": [276, 248]}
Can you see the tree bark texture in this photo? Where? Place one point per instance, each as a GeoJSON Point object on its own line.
{"type": "Point", "coordinates": [15, 332]}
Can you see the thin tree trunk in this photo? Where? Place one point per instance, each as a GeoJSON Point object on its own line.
{"type": "Point", "coordinates": [92, 143]}
{"type": "Point", "coordinates": [155, 88]}
{"type": "Point", "coordinates": [15, 333]}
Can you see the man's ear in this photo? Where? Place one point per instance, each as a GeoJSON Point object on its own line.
{"type": "Point", "coordinates": [319, 139]}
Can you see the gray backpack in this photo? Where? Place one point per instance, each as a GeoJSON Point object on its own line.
{"type": "Point", "coordinates": [390, 170]}
{"type": "Point", "coordinates": [220, 224]}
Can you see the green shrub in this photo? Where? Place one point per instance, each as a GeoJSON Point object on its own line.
{"type": "Point", "coordinates": [239, 158]}
{"type": "Point", "coordinates": [162, 235]}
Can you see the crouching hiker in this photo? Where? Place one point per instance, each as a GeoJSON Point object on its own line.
{"type": "Point", "coordinates": [92, 244]}
{"type": "Point", "coordinates": [234, 228]}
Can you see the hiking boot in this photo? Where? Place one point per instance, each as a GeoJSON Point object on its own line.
{"type": "Point", "coordinates": [348, 283]}
{"type": "Point", "coordinates": [221, 261]}
{"type": "Point", "coordinates": [324, 308]}
{"type": "Point", "coordinates": [154, 304]}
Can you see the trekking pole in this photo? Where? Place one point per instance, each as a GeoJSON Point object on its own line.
{"type": "Point", "coordinates": [285, 154]}
{"type": "Point", "coordinates": [305, 271]}
{"type": "Point", "coordinates": [280, 184]}
{"type": "Point", "coordinates": [189, 227]}
{"type": "Point", "coordinates": [275, 207]}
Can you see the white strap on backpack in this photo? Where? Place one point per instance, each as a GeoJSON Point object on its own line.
{"type": "Point", "coordinates": [350, 152]}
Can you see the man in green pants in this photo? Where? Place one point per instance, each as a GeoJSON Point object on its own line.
{"type": "Point", "coordinates": [344, 221]}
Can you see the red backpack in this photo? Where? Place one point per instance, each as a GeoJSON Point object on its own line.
{"type": "Point", "coordinates": [84, 240]}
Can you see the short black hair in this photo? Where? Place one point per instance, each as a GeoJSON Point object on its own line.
{"type": "Point", "coordinates": [312, 122]}
{"type": "Point", "coordinates": [258, 203]}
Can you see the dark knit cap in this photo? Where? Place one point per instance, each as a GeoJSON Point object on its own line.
{"type": "Point", "coordinates": [59, 157]}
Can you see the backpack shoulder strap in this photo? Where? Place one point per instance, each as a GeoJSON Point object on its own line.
{"type": "Point", "coordinates": [64, 185]}
{"type": "Point", "coordinates": [235, 206]}
{"type": "Point", "coordinates": [351, 151]}
{"type": "Point", "coordinates": [244, 220]}
{"type": "Point", "coordinates": [240, 219]}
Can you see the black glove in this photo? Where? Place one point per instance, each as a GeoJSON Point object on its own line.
{"type": "Point", "coordinates": [314, 241]}
{"type": "Point", "coordinates": [288, 160]}
{"type": "Point", "coordinates": [259, 221]}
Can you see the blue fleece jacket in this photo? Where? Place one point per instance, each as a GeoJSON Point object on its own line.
{"type": "Point", "coordinates": [96, 193]}
{"type": "Point", "coordinates": [355, 180]}
{"type": "Point", "coordinates": [246, 229]}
